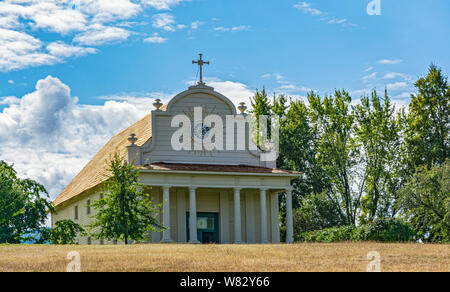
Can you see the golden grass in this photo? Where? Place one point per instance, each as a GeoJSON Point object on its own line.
{"type": "Point", "coordinates": [227, 258]}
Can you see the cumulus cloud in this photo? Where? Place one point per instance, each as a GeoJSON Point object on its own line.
{"type": "Point", "coordinates": [49, 136]}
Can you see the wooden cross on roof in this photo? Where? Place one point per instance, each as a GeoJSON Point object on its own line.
{"type": "Point", "coordinates": [200, 63]}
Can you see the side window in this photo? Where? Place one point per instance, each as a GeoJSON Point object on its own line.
{"type": "Point", "coordinates": [76, 213]}
{"type": "Point", "coordinates": [88, 207]}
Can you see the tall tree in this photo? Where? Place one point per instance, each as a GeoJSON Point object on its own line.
{"type": "Point", "coordinates": [428, 126]}
{"type": "Point", "coordinates": [377, 134]}
{"type": "Point", "coordinates": [23, 206]}
{"type": "Point", "coordinates": [124, 212]}
{"type": "Point", "coordinates": [333, 120]}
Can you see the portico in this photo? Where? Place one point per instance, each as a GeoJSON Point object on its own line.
{"type": "Point", "coordinates": [245, 205]}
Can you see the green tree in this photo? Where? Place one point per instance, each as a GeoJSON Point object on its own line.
{"type": "Point", "coordinates": [23, 206]}
{"type": "Point", "coordinates": [427, 134]}
{"type": "Point", "coordinates": [316, 212]}
{"type": "Point", "coordinates": [124, 212]}
{"type": "Point", "coordinates": [260, 107]}
{"type": "Point", "coordinates": [377, 133]}
{"type": "Point", "coordinates": [333, 121]}
{"type": "Point", "coordinates": [64, 232]}
{"type": "Point", "coordinates": [425, 202]}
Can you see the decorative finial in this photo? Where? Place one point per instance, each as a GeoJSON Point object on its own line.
{"type": "Point", "coordinates": [242, 108]}
{"type": "Point", "coordinates": [157, 104]}
{"type": "Point", "coordinates": [200, 63]}
{"type": "Point", "coordinates": [133, 139]}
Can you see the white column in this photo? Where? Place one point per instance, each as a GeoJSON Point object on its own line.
{"type": "Point", "coordinates": [263, 211]}
{"type": "Point", "coordinates": [237, 216]}
{"type": "Point", "coordinates": [166, 214]}
{"type": "Point", "coordinates": [289, 220]}
{"type": "Point", "coordinates": [192, 216]}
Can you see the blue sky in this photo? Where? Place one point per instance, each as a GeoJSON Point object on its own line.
{"type": "Point", "coordinates": [74, 72]}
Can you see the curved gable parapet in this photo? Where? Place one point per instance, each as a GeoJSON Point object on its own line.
{"type": "Point", "coordinates": [202, 89]}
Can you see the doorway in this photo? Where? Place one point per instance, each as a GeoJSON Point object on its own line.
{"type": "Point", "coordinates": [207, 227]}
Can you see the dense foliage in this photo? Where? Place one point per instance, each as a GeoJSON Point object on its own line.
{"type": "Point", "coordinates": [380, 230]}
{"type": "Point", "coordinates": [366, 161]}
{"type": "Point", "coordinates": [124, 212]}
{"type": "Point", "coordinates": [425, 201]}
{"type": "Point", "coordinates": [64, 232]}
{"type": "Point", "coordinates": [23, 207]}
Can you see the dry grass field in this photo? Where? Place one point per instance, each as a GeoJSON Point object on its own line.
{"type": "Point", "coordinates": [230, 258]}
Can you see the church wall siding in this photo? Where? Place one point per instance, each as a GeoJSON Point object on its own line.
{"type": "Point", "coordinates": [162, 150]}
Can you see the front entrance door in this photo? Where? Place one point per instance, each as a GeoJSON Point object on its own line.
{"type": "Point", "coordinates": [207, 227]}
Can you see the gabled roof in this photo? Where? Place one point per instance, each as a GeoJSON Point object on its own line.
{"type": "Point", "coordinates": [94, 173]}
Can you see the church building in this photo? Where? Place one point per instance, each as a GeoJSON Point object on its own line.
{"type": "Point", "coordinates": [207, 196]}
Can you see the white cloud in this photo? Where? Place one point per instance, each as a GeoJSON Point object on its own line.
{"type": "Point", "coordinates": [155, 39]}
{"type": "Point", "coordinates": [9, 21]}
{"type": "Point", "coordinates": [99, 34]}
{"type": "Point", "coordinates": [389, 62]}
{"type": "Point", "coordinates": [19, 50]}
{"type": "Point", "coordinates": [306, 8]}
{"type": "Point", "coordinates": [292, 88]}
{"type": "Point", "coordinates": [394, 75]}
{"type": "Point", "coordinates": [61, 49]}
{"type": "Point", "coordinates": [94, 23]}
{"type": "Point", "coordinates": [370, 77]}
{"type": "Point", "coordinates": [11, 81]}
{"type": "Point", "coordinates": [233, 29]}
{"type": "Point", "coordinates": [162, 4]}
{"type": "Point", "coordinates": [404, 95]}
{"type": "Point", "coordinates": [273, 75]}
{"type": "Point", "coordinates": [196, 24]}
{"type": "Point", "coordinates": [337, 21]}
{"type": "Point", "coordinates": [58, 136]}
{"type": "Point", "coordinates": [397, 85]}
{"type": "Point", "coordinates": [166, 22]}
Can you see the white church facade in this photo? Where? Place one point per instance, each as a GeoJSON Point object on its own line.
{"type": "Point", "coordinates": [207, 196]}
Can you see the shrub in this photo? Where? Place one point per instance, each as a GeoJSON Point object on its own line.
{"type": "Point", "coordinates": [381, 230]}
{"type": "Point", "coordinates": [65, 232]}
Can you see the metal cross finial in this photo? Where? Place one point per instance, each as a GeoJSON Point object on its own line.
{"type": "Point", "coordinates": [200, 63]}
